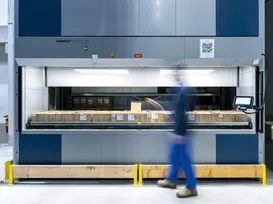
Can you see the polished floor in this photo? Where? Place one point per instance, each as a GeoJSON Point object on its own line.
{"type": "Point", "coordinates": [218, 192]}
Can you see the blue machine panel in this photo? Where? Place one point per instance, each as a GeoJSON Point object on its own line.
{"type": "Point", "coordinates": [40, 149]}
{"type": "Point", "coordinates": [40, 18]}
{"type": "Point", "coordinates": [237, 149]}
{"type": "Point", "coordinates": [237, 17]}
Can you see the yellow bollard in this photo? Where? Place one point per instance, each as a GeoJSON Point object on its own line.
{"type": "Point", "coordinates": [7, 164]}
{"type": "Point", "coordinates": [11, 179]}
{"type": "Point", "coordinates": [263, 180]}
{"type": "Point", "coordinates": [140, 180]}
{"type": "Point", "coordinates": [135, 174]}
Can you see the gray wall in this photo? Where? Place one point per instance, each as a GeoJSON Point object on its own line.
{"type": "Point", "coordinates": [269, 52]}
{"type": "Point", "coordinates": [3, 92]}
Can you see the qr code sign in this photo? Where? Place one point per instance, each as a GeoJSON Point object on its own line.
{"type": "Point", "coordinates": [207, 48]}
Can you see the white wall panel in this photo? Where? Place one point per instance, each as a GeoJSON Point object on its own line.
{"type": "Point", "coordinates": [34, 92]}
{"type": "Point", "coordinates": [3, 12]}
{"type": "Point", "coordinates": [247, 82]}
{"type": "Point", "coordinates": [3, 83]}
{"type": "Point", "coordinates": [3, 101]}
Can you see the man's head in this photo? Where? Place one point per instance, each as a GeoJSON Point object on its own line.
{"type": "Point", "coordinates": [177, 77]}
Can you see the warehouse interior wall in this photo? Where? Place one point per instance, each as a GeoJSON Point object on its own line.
{"type": "Point", "coordinates": [3, 12]}
{"type": "Point", "coordinates": [269, 83]}
{"type": "Point", "coordinates": [269, 53]}
{"type": "Point", "coordinates": [4, 75]}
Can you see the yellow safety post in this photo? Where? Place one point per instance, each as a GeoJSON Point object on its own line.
{"type": "Point", "coordinates": [140, 174]}
{"type": "Point", "coordinates": [135, 175]}
{"type": "Point", "coordinates": [7, 164]}
{"type": "Point", "coordinates": [263, 179]}
{"type": "Point", "coordinates": [11, 179]}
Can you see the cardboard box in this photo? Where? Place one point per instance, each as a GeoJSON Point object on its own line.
{"type": "Point", "coordinates": [168, 116]}
{"type": "Point", "coordinates": [197, 116]}
{"type": "Point", "coordinates": [83, 117]}
{"type": "Point", "coordinates": [103, 116]}
{"type": "Point", "coordinates": [241, 117]}
{"type": "Point", "coordinates": [37, 117]}
{"type": "Point", "coordinates": [132, 117]}
{"type": "Point", "coordinates": [60, 117]}
{"type": "Point", "coordinates": [136, 106]}
{"type": "Point", "coordinates": [191, 116]}
{"type": "Point", "coordinates": [69, 117]}
{"type": "Point", "coordinates": [49, 117]}
{"type": "Point", "coordinates": [155, 117]}
{"type": "Point", "coordinates": [144, 117]}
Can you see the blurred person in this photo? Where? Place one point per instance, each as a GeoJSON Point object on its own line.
{"type": "Point", "coordinates": [179, 155]}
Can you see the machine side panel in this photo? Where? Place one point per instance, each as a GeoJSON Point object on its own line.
{"type": "Point", "coordinates": [237, 149]}
{"type": "Point", "coordinates": [40, 18]}
{"type": "Point", "coordinates": [203, 148]}
{"type": "Point", "coordinates": [153, 147]}
{"type": "Point", "coordinates": [119, 148]}
{"type": "Point", "coordinates": [40, 149]}
{"type": "Point", "coordinates": [157, 18]}
{"type": "Point", "coordinates": [99, 17]}
{"type": "Point", "coordinates": [81, 148]}
{"type": "Point", "coordinates": [195, 18]}
{"type": "Point", "coordinates": [237, 17]}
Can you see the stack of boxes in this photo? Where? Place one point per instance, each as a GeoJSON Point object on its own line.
{"type": "Point", "coordinates": [135, 115]}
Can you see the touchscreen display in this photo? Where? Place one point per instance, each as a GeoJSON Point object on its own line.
{"type": "Point", "coordinates": [243, 101]}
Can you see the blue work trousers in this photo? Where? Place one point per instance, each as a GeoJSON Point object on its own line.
{"type": "Point", "coordinates": [180, 159]}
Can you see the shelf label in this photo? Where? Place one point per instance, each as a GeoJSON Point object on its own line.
{"type": "Point", "coordinates": [191, 117]}
{"type": "Point", "coordinates": [90, 101]}
{"type": "Point", "coordinates": [83, 100]}
{"type": "Point", "coordinates": [106, 101]}
{"type": "Point", "coordinates": [119, 116]}
{"type": "Point", "coordinates": [155, 116]}
{"type": "Point", "coordinates": [113, 116]}
{"type": "Point", "coordinates": [131, 117]}
{"type": "Point", "coordinates": [83, 117]}
{"type": "Point", "coordinates": [220, 116]}
{"type": "Point", "coordinates": [149, 115]}
{"type": "Point", "coordinates": [100, 101]}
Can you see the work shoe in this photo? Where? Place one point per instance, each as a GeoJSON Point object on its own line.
{"type": "Point", "coordinates": [166, 184]}
{"type": "Point", "coordinates": [186, 193]}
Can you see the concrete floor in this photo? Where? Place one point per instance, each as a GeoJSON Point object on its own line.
{"type": "Point", "coordinates": [85, 192]}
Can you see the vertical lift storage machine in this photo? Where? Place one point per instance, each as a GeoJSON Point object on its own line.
{"type": "Point", "coordinates": [123, 60]}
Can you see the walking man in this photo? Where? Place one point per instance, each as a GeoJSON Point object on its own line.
{"type": "Point", "coordinates": [179, 156]}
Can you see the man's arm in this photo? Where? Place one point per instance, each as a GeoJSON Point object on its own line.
{"type": "Point", "coordinates": [154, 103]}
